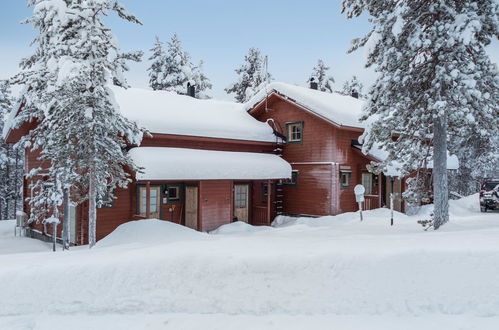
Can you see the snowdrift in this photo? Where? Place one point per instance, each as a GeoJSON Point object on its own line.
{"type": "Point", "coordinates": [147, 232]}
{"type": "Point", "coordinates": [238, 227]}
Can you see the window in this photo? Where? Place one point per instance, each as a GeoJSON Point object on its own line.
{"type": "Point", "coordinates": [265, 191]}
{"type": "Point", "coordinates": [294, 179]}
{"type": "Point", "coordinates": [154, 200]}
{"type": "Point", "coordinates": [367, 182]}
{"type": "Point", "coordinates": [173, 193]}
{"type": "Point", "coordinates": [240, 196]}
{"type": "Point", "coordinates": [345, 178]}
{"type": "Point", "coordinates": [294, 132]}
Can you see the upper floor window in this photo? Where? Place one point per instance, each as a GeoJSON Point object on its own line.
{"type": "Point", "coordinates": [294, 131]}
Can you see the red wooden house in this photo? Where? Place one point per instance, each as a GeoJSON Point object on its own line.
{"type": "Point", "coordinates": [289, 150]}
{"type": "Point", "coordinates": [321, 130]}
{"type": "Point", "coordinates": [207, 163]}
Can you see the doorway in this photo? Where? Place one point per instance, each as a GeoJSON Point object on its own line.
{"type": "Point", "coordinates": [154, 200]}
{"type": "Point", "coordinates": [191, 207]}
{"type": "Point", "coordinates": [241, 202]}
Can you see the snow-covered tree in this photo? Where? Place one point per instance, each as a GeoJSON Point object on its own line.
{"type": "Point", "coordinates": [80, 132]}
{"type": "Point", "coordinates": [11, 161]}
{"type": "Point", "coordinates": [174, 70]}
{"type": "Point", "coordinates": [320, 76]}
{"type": "Point", "coordinates": [352, 86]}
{"type": "Point", "coordinates": [436, 83]}
{"type": "Point", "coordinates": [156, 70]}
{"type": "Point", "coordinates": [252, 76]}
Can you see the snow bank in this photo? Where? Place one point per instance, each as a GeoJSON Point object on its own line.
{"type": "Point", "coordinates": [238, 227]}
{"type": "Point", "coordinates": [340, 109]}
{"type": "Point", "coordinates": [10, 244]}
{"type": "Point", "coordinates": [170, 113]}
{"type": "Point", "coordinates": [149, 232]}
{"type": "Point", "coordinates": [193, 164]}
{"type": "Point", "coordinates": [334, 267]}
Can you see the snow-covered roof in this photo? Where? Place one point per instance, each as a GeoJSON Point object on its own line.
{"type": "Point", "coordinates": [394, 168]}
{"type": "Point", "coordinates": [169, 113]}
{"type": "Point", "coordinates": [193, 164]}
{"type": "Point", "coordinates": [340, 109]}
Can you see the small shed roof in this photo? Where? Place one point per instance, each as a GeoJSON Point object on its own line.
{"type": "Point", "coordinates": [169, 113]}
{"type": "Point", "coordinates": [193, 164]}
{"type": "Point", "coordinates": [340, 109]}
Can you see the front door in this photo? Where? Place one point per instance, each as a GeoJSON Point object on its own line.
{"type": "Point", "coordinates": [154, 200]}
{"type": "Point", "coordinates": [241, 202]}
{"type": "Point", "coordinates": [191, 207]}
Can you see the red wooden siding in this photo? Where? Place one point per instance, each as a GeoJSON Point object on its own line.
{"type": "Point", "coordinates": [318, 191]}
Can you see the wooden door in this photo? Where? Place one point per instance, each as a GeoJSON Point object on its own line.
{"type": "Point", "coordinates": [241, 202]}
{"type": "Point", "coordinates": [154, 200]}
{"type": "Point", "coordinates": [191, 207]}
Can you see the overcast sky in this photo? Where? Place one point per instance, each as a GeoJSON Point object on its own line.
{"type": "Point", "coordinates": [293, 33]}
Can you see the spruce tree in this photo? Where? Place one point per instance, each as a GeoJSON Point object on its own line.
{"type": "Point", "coordinates": [436, 83]}
{"type": "Point", "coordinates": [321, 77]}
{"type": "Point", "coordinates": [173, 70]}
{"type": "Point", "coordinates": [251, 77]}
{"type": "Point", "coordinates": [353, 86]}
{"type": "Point", "coordinates": [156, 70]}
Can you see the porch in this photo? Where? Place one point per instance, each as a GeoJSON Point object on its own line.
{"type": "Point", "coordinates": [204, 189]}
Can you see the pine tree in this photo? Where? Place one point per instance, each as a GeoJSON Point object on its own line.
{"type": "Point", "coordinates": [156, 70]}
{"type": "Point", "coordinates": [436, 83]}
{"type": "Point", "coordinates": [81, 132]}
{"type": "Point", "coordinates": [353, 86]}
{"type": "Point", "coordinates": [320, 76]}
{"type": "Point", "coordinates": [251, 77]}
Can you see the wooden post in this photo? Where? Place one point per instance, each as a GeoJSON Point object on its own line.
{"type": "Point", "coordinates": [268, 202]}
{"type": "Point", "coordinates": [148, 200]}
{"type": "Point", "coordinates": [380, 186]}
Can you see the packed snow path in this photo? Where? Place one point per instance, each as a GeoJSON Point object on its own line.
{"type": "Point", "coordinates": [329, 271]}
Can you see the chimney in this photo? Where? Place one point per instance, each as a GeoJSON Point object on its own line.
{"type": "Point", "coordinates": [355, 94]}
{"type": "Point", "coordinates": [313, 84]}
{"type": "Point", "coordinates": [191, 90]}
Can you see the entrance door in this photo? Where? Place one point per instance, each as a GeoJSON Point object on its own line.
{"type": "Point", "coordinates": [241, 202]}
{"type": "Point", "coordinates": [191, 207]}
{"type": "Point", "coordinates": [154, 201]}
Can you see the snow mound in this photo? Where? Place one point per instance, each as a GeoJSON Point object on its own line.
{"type": "Point", "coordinates": [147, 232]}
{"type": "Point", "coordinates": [371, 217]}
{"type": "Point", "coordinates": [238, 227]}
{"type": "Point", "coordinates": [466, 206]}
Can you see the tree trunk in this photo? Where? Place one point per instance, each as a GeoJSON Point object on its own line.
{"type": "Point", "coordinates": [9, 186]}
{"type": "Point", "coordinates": [440, 187]}
{"type": "Point", "coordinates": [92, 209]}
{"type": "Point", "coordinates": [65, 224]}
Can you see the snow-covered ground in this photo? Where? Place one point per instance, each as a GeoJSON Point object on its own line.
{"type": "Point", "coordinates": [325, 273]}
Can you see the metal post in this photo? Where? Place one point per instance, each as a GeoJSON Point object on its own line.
{"type": "Point", "coordinates": [391, 208]}
{"type": "Point", "coordinates": [54, 235]}
{"type": "Point", "coordinates": [360, 209]}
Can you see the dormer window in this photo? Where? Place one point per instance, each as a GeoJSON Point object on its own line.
{"type": "Point", "coordinates": [294, 132]}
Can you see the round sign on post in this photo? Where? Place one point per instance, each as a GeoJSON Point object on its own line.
{"type": "Point", "coordinates": [359, 191]}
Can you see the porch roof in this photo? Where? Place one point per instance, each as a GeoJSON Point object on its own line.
{"type": "Point", "coordinates": [194, 164]}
